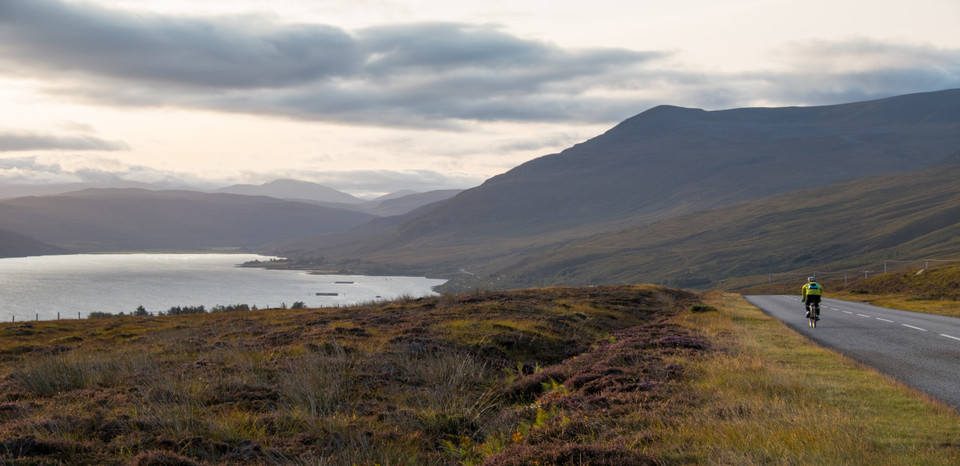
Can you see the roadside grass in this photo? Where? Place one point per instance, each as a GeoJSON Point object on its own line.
{"type": "Point", "coordinates": [771, 396]}
{"type": "Point", "coordinates": [908, 302]}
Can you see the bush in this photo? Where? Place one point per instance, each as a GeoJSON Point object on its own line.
{"type": "Point", "coordinates": [702, 308]}
{"type": "Point", "coordinates": [232, 307]}
{"type": "Point", "coordinates": [177, 310]}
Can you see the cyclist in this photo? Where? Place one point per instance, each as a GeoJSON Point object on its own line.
{"type": "Point", "coordinates": [810, 294]}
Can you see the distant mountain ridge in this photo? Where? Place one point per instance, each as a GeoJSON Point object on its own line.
{"type": "Point", "coordinates": [664, 162]}
{"type": "Point", "coordinates": [136, 219]}
{"type": "Point", "coordinates": [293, 189]}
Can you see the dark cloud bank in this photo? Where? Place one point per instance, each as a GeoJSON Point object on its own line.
{"type": "Point", "coordinates": [17, 142]}
{"type": "Point", "coordinates": [431, 74]}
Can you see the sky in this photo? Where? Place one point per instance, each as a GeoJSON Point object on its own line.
{"type": "Point", "coordinates": [377, 96]}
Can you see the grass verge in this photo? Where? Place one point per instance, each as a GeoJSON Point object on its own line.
{"type": "Point", "coordinates": [771, 396]}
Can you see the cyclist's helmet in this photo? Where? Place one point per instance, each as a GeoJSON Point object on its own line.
{"type": "Point", "coordinates": [811, 279]}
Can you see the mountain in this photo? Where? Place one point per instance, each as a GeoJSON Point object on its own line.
{"type": "Point", "coordinates": [14, 191]}
{"type": "Point", "coordinates": [662, 163]}
{"type": "Point", "coordinates": [671, 160]}
{"type": "Point", "coordinates": [294, 190]}
{"type": "Point", "coordinates": [16, 245]}
{"type": "Point", "coordinates": [136, 219]}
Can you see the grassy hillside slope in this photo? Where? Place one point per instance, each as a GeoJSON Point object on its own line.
{"type": "Point", "coordinates": [904, 216]}
{"type": "Point", "coordinates": [609, 375]}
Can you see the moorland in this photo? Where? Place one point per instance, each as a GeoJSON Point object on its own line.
{"type": "Point", "coordinates": [636, 374]}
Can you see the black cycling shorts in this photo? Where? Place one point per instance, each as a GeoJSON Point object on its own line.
{"type": "Point", "coordinates": [813, 299]}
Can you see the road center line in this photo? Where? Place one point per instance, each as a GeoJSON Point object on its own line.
{"type": "Point", "coordinates": [847, 312]}
{"type": "Point", "coordinates": [863, 315]}
{"type": "Point", "coordinates": [949, 336]}
{"type": "Point", "coordinates": [915, 328]}
{"type": "Point", "coordinates": [884, 320]}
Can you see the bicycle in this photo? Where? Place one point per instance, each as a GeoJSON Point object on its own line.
{"type": "Point", "coordinates": [814, 314]}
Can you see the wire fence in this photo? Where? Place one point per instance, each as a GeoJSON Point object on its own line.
{"type": "Point", "coordinates": [887, 266]}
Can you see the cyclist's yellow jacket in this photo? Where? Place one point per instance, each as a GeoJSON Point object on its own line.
{"type": "Point", "coordinates": [812, 288]}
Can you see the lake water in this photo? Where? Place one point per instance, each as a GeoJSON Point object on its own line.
{"type": "Point", "coordinates": [116, 283]}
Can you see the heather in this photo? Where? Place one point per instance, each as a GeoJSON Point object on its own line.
{"type": "Point", "coordinates": [412, 381]}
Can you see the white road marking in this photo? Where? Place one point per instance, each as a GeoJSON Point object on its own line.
{"type": "Point", "coordinates": [949, 336]}
{"type": "Point", "coordinates": [847, 312]}
{"type": "Point", "coordinates": [915, 328]}
{"type": "Point", "coordinates": [863, 315]}
{"type": "Point", "coordinates": [885, 320]}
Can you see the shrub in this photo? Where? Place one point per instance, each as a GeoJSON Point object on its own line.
{"type": "Point", "coordinates": [702, 308]}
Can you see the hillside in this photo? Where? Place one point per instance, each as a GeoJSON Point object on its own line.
{"type": "Point", "coordinates": [662, 163]}
{"type": "Point", "coordinates": [601, 375]}
{"type": "Point", "coordinates": [135, 219]}
{"type": "Point", "coordinates": [15, 245]}
{"type": "Point", "coordinates": [903, 216]}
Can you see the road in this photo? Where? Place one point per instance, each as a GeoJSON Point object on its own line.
{"type": "Point", "coordinates": [921, 350]}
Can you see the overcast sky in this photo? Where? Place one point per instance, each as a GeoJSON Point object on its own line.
{"type": "Point", "coordinates": [375, 96]}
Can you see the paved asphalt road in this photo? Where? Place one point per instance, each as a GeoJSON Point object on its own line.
{"type": "Point", "coordinates": [921, 350]}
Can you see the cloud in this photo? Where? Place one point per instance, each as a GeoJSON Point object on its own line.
{"type": "Point", "coordinates": [233, 52]}
{"type": "Point", "coordinates": [828, 72]}
{"type": "Point", "coordinates": [428, 74]}
{"type": "Point", "coordinates": [437, 75]}
{"type": "Point", "coordinates": [15, 141]}
{"type": "Point", "coordinates": [93, 169]}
